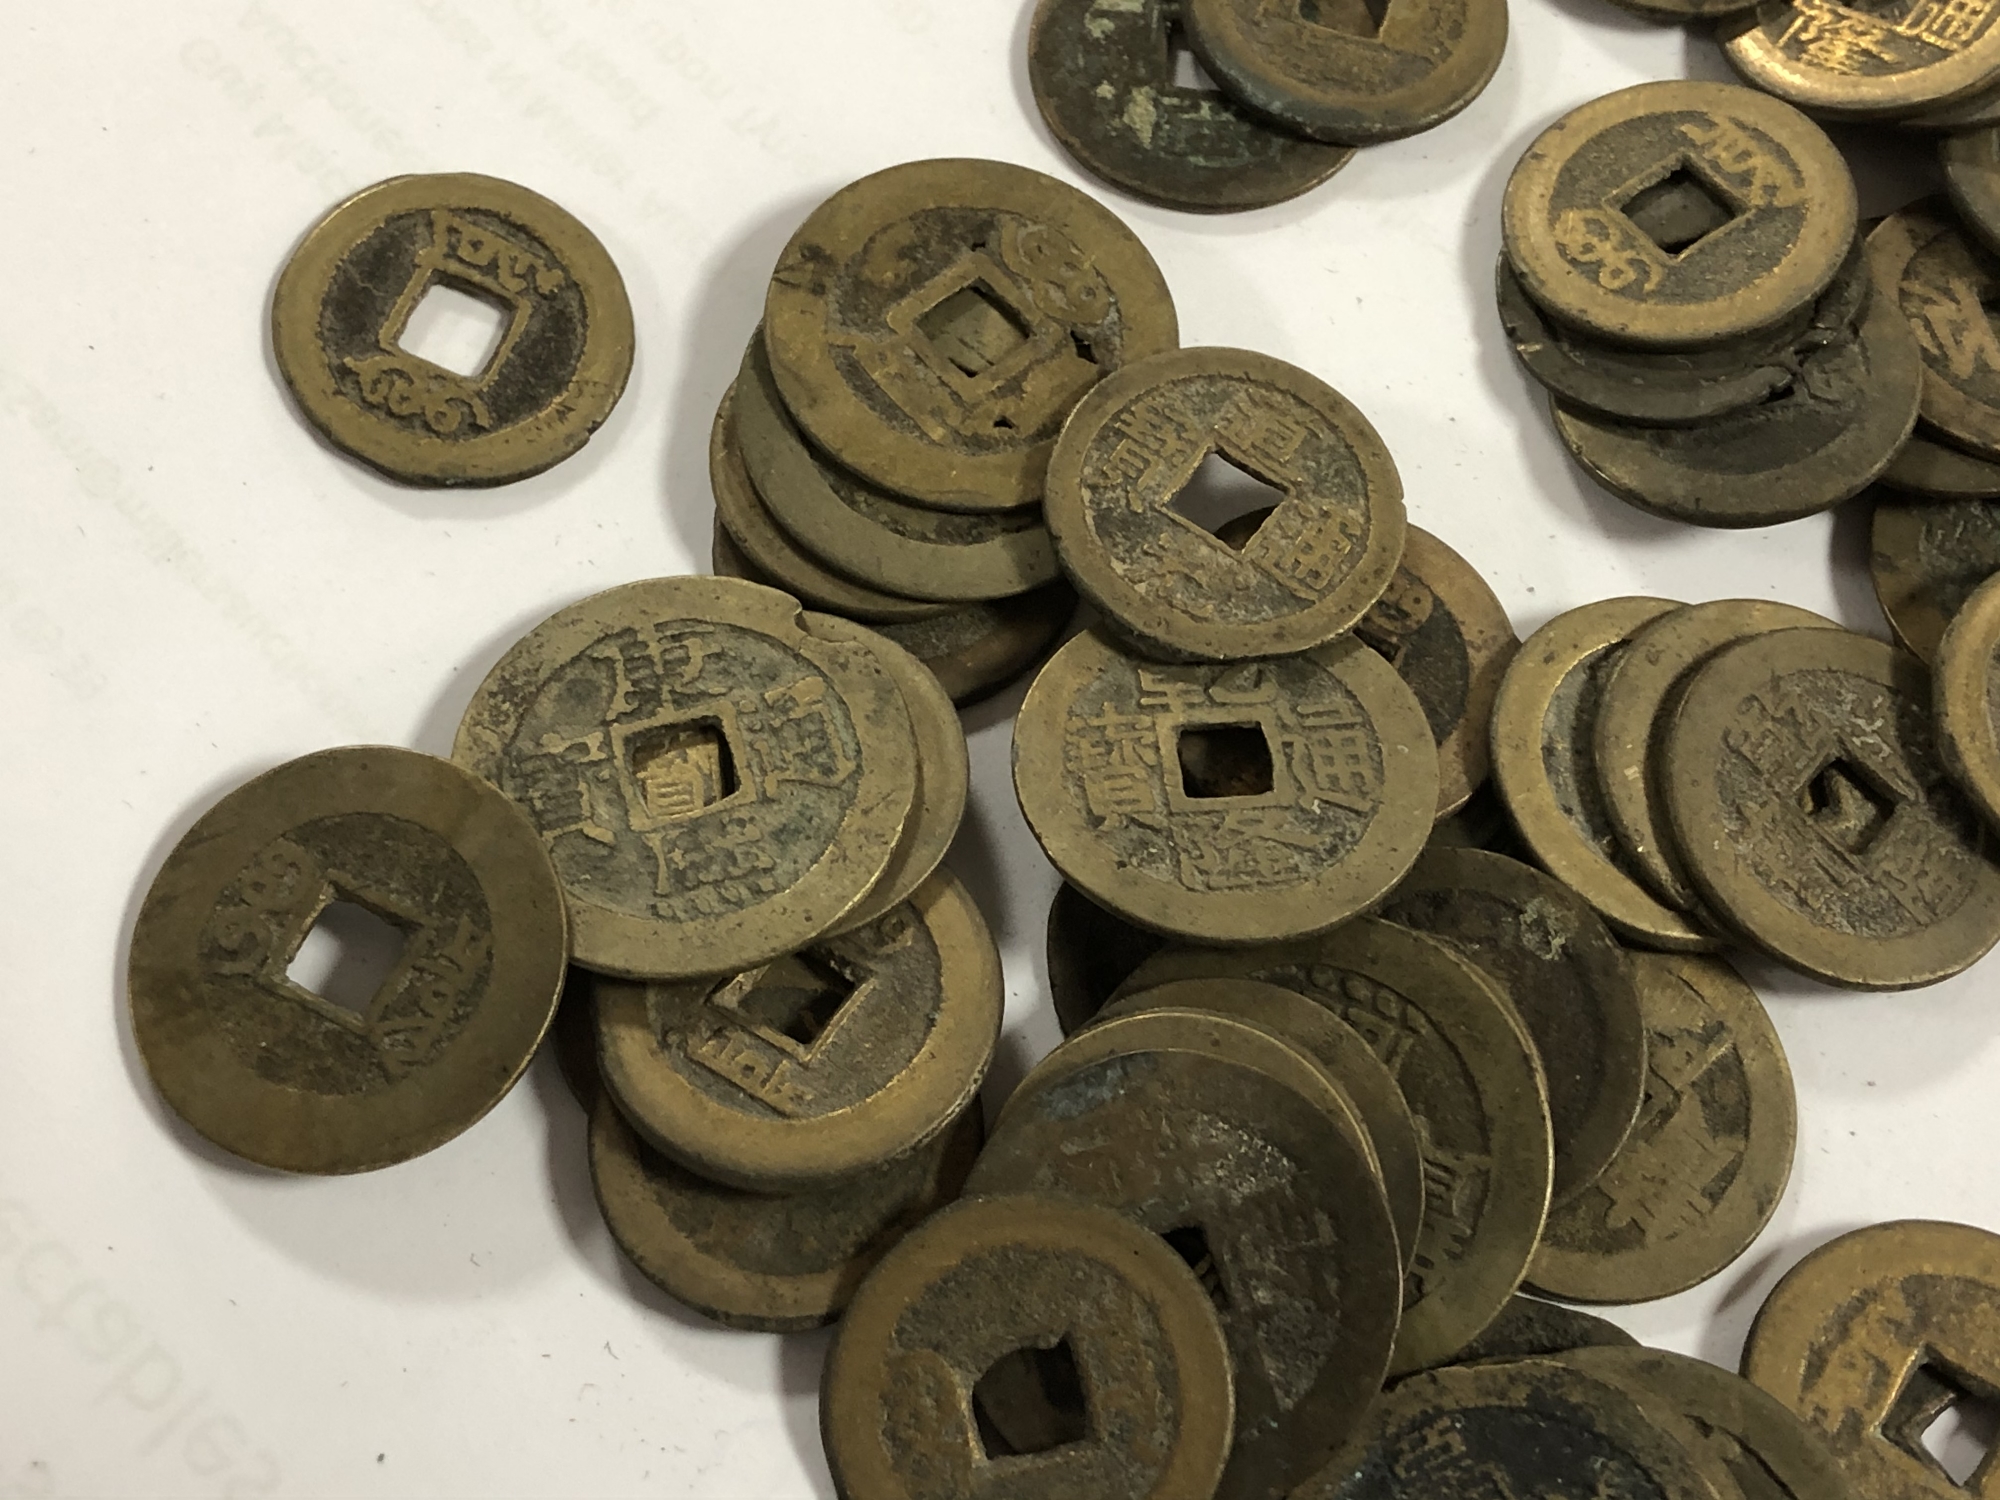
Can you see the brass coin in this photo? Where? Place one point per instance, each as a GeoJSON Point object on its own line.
{"type": "Point", "coordinates": [1686, 10]}
{"type": "Point", "coordinates": [1311, 571]}
{"type": "Point", "coordinates": [719, 775]}
{"type": "Point", "coordinates": [1229, 804]}
{"type": "Point", "coordinates": [1968, 112]}
{"type": "Point", "coordinates": [931, 326]}
{"type": "Point", "coordinates": [887, 543]}
{"type": "Point", "coordinates": [1926, 560]}
{"type": "Point", "coordinates": [1703, 1169]}
{"type": "Point", "coordinates": [822, 1064]}
{"type": "Point", "coordinates": [1570, 982]}
{"type": "Point", "coordinates": [1972, 174]}
{"type": "Point", "coordinates": [1873, 1337]}
{"type": "Point", "coordinates": [1864, 63]}
{"type": "Point", "coordinates": [1672, 215]}
{"type": "Point", "coordinates": [1098, 1304]}
{"type": "Point", "coordinates": [1545, 765]}
{"type": "Point", "coordinates": [1347, 73]}
{"type": "Point", "coordinates": [1527, 1329]}
{"type": "Point", "coordinates": [345, 1082]}
{"type": "Point", "coordinates": [1966, 695]}
{"type": "Point", "coordinates": [1636, 701]}
{"type": "Point", "coordinates": [1090, 953]}
{"type": "Point", "coordinates": [343, 305]}
{"type": "Point", "coordinates": [1805, 791]}
{"type": "Point", "coordinates": [1940, 277]}
{"type": "Point", "coordinates": [1103, 77]}
{"type": "Point", "coordinates": [1468, 1071]}
{"type": "Point", "coordinates": [1238, 1151]}
{"type": "Point", "coordinates": [1936, 470]}
{"type": "Point", "coordinates": [751, 1261]}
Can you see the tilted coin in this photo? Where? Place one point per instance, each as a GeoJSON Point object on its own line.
{"type": "Point", "coordinates": [1863, 63]}
{"type": "Point", "coordinates": [1349, 73]}
{"type": "Point", "coordinates": [343, 306]}
{"type": "Point", "coordinates": [1686, 10]}
{"type": "Point", "coordinates": [1103, 77]}
{"type": "Point", "coordinates": [1102, 1308]}
{"type": "Point", "coordinates": [1938, 471]}
{"type": "Point", "coordinates": [1873, 1337]}
{"type": "Point", "coordinates": [1571, 983]}
{"type": "Point", "coordinates": [1311, 570]}
{"type": "Point", "coordinates": [1940, 279]}
{"type": "Point", "coordinates": [824, 1063]}
{"type": "Point", "coordinates": [1468, 1072]}
{"type": "Point", "coordinates": [1090, 953]}
{"type": "Point", "coordinates": [1545, 765]}
{"type": "Point", "coordinates": [1972, 174]}
{"type": "Point", "coordinates": [1528, 1329]}
{"type": "Point", "coordinates": [1672, 215]}
{"type": "Point", "coordinates": [1966, 694]}
{"type": "Point", "coordinates": [1229, 804]}
{"type": "Point", "coordinates": [1926, 559]}
{"type": "Point", "coordinates": [774, 1264]}
{"type": "Point", "coordinates": [1968, 112]}
{"type": "Point", "coordinates": [931, 325]}
{"type": "Point", "coordinates": [1805, 791]}
{"type": "Point", "coordinates": [346, 1080]}
{"type": "Point", "coordinates": [719, 775]}
{"type": "Point", "coordinates": [1238, 1151]}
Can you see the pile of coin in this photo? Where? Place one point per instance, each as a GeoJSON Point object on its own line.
{"type": "Point", "coordinates": [1295, 88]}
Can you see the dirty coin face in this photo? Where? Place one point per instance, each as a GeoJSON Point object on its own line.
{"type": "Point", "coordinates": [1926, 560]}
{"type": "Point", "coordinates": [1941, 279]}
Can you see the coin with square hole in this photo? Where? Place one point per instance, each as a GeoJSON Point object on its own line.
{"type": "Point", "coordinates": [719, 775]}
{"type": "Point", "coordinates": [1944, 283]}
{"type": "Point", "coordinates": [1865, 63]}
{"type": "Point", "coordinates": [346, 961]}
{"type": "Point", "coordinates": [1926, 559]}
{"type": "Point", "coordinates": [452, 329]}
{"type": "Point", "coordinates": [1966, 695]}
{"type": "Point", "coordinates": [1098, 1326]}
{"type": "Point", "coordinates": [1124, 505]}
{"type": "Point", "coordinates": [931, 326]}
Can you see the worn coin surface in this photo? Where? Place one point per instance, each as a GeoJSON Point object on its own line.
{"type": "Point", "coordinates": [1468, 1071]}
{"type": "Point", "coordinates": [1103, 76]}
{"type": "Point", "coordinates": [1559, 966]}
{"type": "Point", "coordinates": [932, 325]}
{"type": "Point", "coordinates": [343, 1082]}
{"type": "Point", "coordinates": [1858, 62]}
{"type": "Point", "coordinates": [1090, 953]}
{"type": "Point", "coordinates": [1103, 1310]}
{"type": "Point", "coordinates": [1941, 278]}
{"type": "Point", "coordinates": [719, 775]}
{"type": "Point", "coordinates": [1310, 571]}
{"type": "Point", "coordinates": [1679, 214]}
{"type": "Point", "coordinates": [1966, 695]}
{"type": "Point", "coordinates": [343, 305]}
{"type": "Point", "coordinates": [1545, 765]}
{"type": "Point", "coordinates": [1239, 1151]}
{"type": "Point", "coordinates": [1873, 1337]}
{"type": "Point", "coordinates": [1806, 794]}
{"type": "Point", "coordinates": [1972, 174]}
{"type": "Point", "coordinates": [824, 1063]}
{"type": "Point", "coordinates": [1938, 471]}
{"type": "Point", "coordinates": [1230, 804]}
{"type": "Point", "coordinates": [1528, 1329]}
{"type": "Point", "coordinates": [1350, 73]}
{"type": "Point", "coordinates": [1926, 559]}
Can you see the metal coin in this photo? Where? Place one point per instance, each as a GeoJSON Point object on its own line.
{"type": "Point", "coordinates": [1938, 471]}
{"type": "Point", "coordinates": [1926, 560]}
{"type": "Point", "coordinates": [1969, 112]}
{"type": "Point", "coordinates": [1939, 277]}
{"type": "Point", "coordinates": [1966, 695]}
{"type": "Point", "coordinates": [1311, 571]}
{"type": "Point", "coordinates": [1857, 62]}
{"type": "Point", "coordinates": [1673, 215]}
{"type": "Point", "coordinates": [1090, 953]}
{"type": "Point", "coordinates": [1103, 77]}
{"type": "Point", "coordinates": [824, 1063]}
{"type": "Point", "coordinates": [1468, 1072]}
{"type": "Point", "coordinates": [1972, 174]}
{"type": "Point", "coordinates": [1545, 765]}
{"type": "Point", "coordinates": [572, 1037]}
{"type": "Point", "coordinates": [931, 326]}
{"type": "Point", "coordinates": [1095, 1304]}
{"type": "Point", "coordinates": [1229, 804]}
{"type": "Point", "coordinates": [752, 1261]}
{"type": "Point", "coordinates": [1527, 1329]}
{"type": "Point", "coordinates": [1805, 791]}
{"type": "Point", "coordinates": [1570, 982]}
{"type": "Point", "coordinates": [1348, 73]}
{"type": "Point", "coordinates": [364, 1075]}
{"type": "Point", "coordinates": [1686, 10]}
{"type": "Point", "coordinates": [1238, 1151]}
{"type": "Point", "coordinates": [1870, 1339]}
{"type": "Point", "coordinates": [343, 305]}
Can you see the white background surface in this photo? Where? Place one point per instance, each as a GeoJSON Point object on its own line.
{"type": "Point", "coordinates": [192, 589]}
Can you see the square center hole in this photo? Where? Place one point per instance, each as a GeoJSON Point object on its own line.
{"type": "Point", "coordinates": [1220, 494]}
{"type": "Point", "coordinates": [1843, 803]}
{"type": "Point", "coordinates": [1679, 211]}
{"type": "Point", "coordinates": [1940, 1417]}
{"type": "Point", "coordinates": [1031, 1401]}
{"type": "Point", "coordinates": [347, 956]}
{"type": "Point", "coordinates": [457, 329]}
{"type": "Point", "coordinates": [1184, 69]}
{"type": "Point", "coordinates": [1361, 18]}
{"type": "Point", "coordinates": [797, 997]}
{"type": "Point", "coordinates": [681, 769]}
{"type": "Point", "coordinates": [1190, 1243]}
{"type": "Point", "coordinates": [974, 328]}
{"type": "Point", "coordinates": [1224, 760]}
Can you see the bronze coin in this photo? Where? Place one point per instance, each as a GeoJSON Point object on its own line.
{"type": "Point", "coordinates": [1860, 63]}
{"type": "Point", "coordinates": [1935, 470]}
{"type": "Point", "coordinates": [1940, 278]}
{"type": "Point", "coordinates": [1966, 696]}
{"type": "Point", "coordinates": [1528, 1329]}
{"type": "Point", "coordinates": [1926, 559]}
{"type": "Point", "coordinates": [1090, 953]}
{"type": "Point", "coordinates": [1972, 174]}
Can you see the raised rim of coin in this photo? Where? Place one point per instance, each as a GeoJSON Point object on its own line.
{"type": "Point", "coordinates": [1963, 682]}
{"type": "Point", "coordinates": [1932, 469]}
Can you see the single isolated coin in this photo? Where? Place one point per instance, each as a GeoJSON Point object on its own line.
{"type": "Point", "coordinates": [1228, 804]}
{"type": "Point", "coordinates": [1864, 63]}
{"type": "Point", "coordinates": [1807, 796]}
{"type": "Point", "coordinates": [931, 325]}
{"type": "Point", "coordinates": [1091, 952]}
{"type": "Point", "coordinates": [719, 775]}
{"type": "Point", "coordinates": [1971, 160]}
{"type": "Point", "coordinates": [1966, 695]}
{"type": "Point", "coordinates": [345, 301]}
{"type": "Point", "coordinates": [1310, 571]}
{"type": "Point", "coordinates": [1926, 559]}
{"type": "Point", "coordinates": [367, 1069]}
{"type": "Point", "coordinates": [1940, 278]}
{"type": "Point", "coordinates": [1936, 470]}
{"type": "Point", "coordinates": [1528, 1329]}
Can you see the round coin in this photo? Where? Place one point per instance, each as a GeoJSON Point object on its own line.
{"type": "Point", "coordinates": [719, 775]}
{"type": "Point", "coordinates": [1229, 804]}
{"type": "Point", "coordinates": [1940, 278]}
{"type": "Point", "coordinates": [1861, 63]}
{"type": "Point", "coordinates": [1937, 471]}
{"type": "Point", "coordinates": [822, 1064]}
{"type": "Point", "coordinates": [1090, 952]}
{"type": "Point", "coordinates": [1085, 1299]}
{"type": "Point", "coordinates": [1527, 1329]}
{"type": "Point", "coordinates": [1966, 695]}
{"type": "Point", "coordinates": [1806, 794]}
{"type": "Point", "coordinates": [1972, 174]}
{"type": "Point", "coordinates": [345, 1078]}
{"type": "Point", "coordinates": [572, 1037]}
{"type": "Point", "coordinates": [931, 326]}
{"type": "Point", "coordinates": [1311, 570]}
{"type": "Point", "coordinates": [1926, 560]}
{"type": "Point", "coordinates": [344, 302]}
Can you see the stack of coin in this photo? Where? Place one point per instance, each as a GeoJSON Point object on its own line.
{"type": "Point", "coordinates": [1682, 272]}
{"type": "Point", "coordinates": [1295, 88]}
